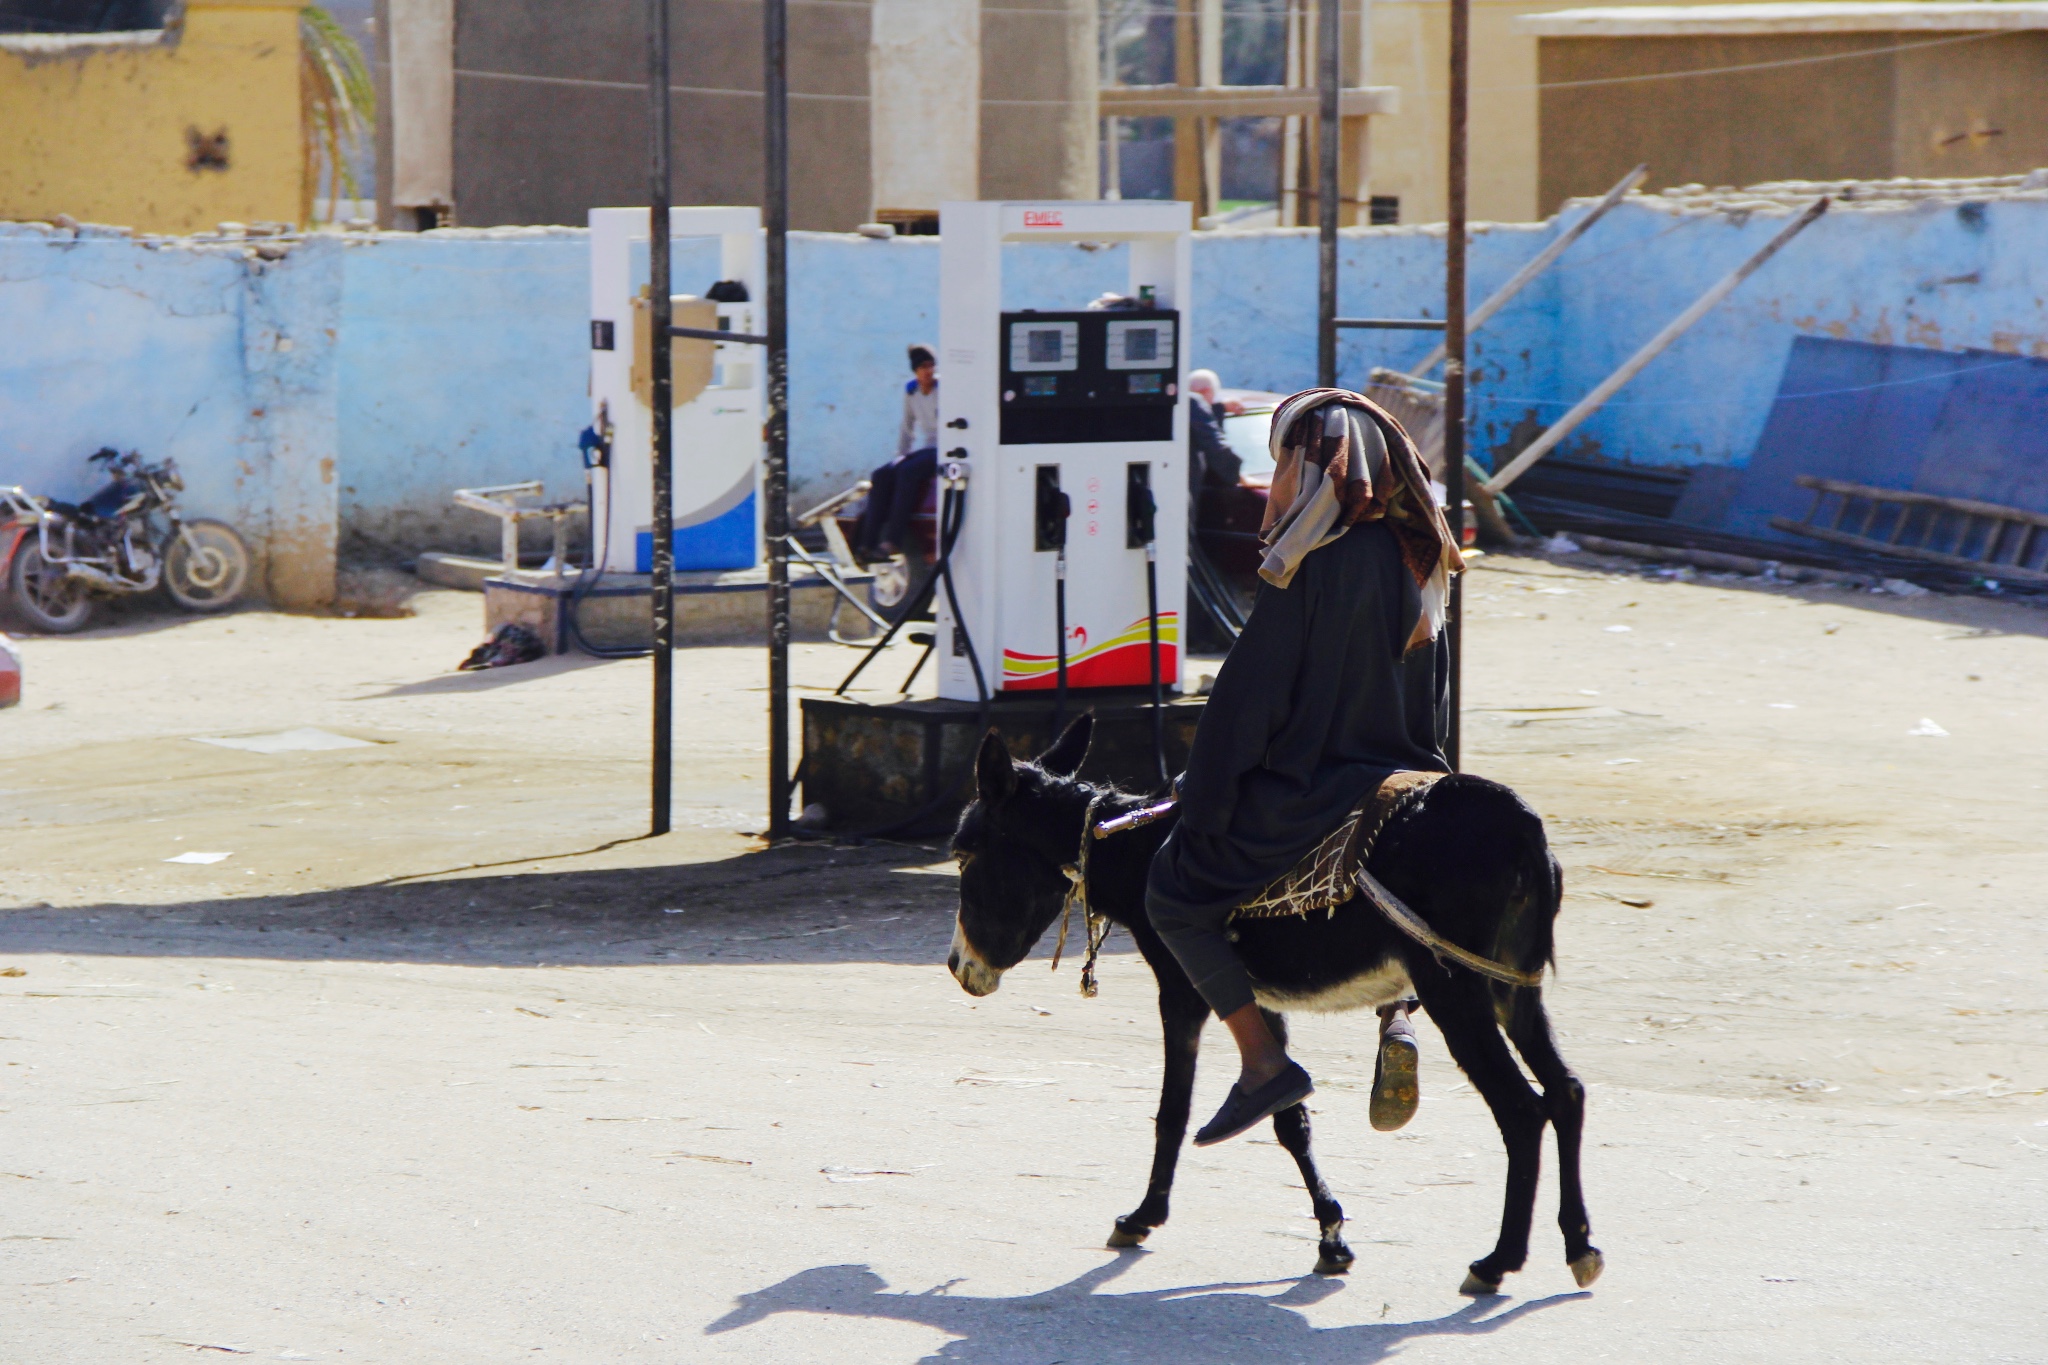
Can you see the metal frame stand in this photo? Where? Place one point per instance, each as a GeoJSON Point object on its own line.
{"type": "Point", "coordinates": [775, 484]}
{"type": "Point", "coordinates": [1328, 132]}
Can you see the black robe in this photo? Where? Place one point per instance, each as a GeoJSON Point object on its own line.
{"type": "Point", "coordinates": [1315, 705]}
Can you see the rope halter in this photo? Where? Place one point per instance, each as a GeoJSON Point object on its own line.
{"type": "Point", "coordinates": [1095, 927]}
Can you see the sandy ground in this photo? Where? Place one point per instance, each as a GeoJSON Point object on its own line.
{"type": "Point", "coordinates": [444, 1063]}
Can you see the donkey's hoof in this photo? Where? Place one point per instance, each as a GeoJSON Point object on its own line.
{"type": "Point", "coordinates": [1476, 1288]}
{"type": "Point", "coordinates": [1121, 1236]}
{"type": "Point", "coordinates": [1334, 1260]}
{"type": "Point", "coordinates": [1587, 1268]}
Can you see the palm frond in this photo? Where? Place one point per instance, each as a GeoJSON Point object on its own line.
{"type": "Point", "coordinates": [338, 110]}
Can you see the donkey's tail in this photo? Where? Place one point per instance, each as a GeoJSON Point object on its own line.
{"type": "Point", "coordinates": [1527, 937]}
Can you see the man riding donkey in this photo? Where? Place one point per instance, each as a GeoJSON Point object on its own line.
{"type": "Point", "coordinates": [1340, 679]}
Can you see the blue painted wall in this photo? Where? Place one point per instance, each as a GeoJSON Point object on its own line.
{"type": "Point", "coordinates": [359, 379]}
{"type": "Point", "coordinates": [207, 353]}
{"type": "Point", "coordinates": [463, 363]}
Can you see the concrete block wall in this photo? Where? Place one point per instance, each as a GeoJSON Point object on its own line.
{"type": "Point", "coordinates": [330, 400]}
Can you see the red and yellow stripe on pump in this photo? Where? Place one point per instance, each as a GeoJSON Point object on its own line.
{"type": "Point", "coordinates": [1123, 660]}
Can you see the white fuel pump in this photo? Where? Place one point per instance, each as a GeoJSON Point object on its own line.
{"type": "Point", "coordinates": [1072, 428]}
{"type": "Point", "coordinates": [718, 395]}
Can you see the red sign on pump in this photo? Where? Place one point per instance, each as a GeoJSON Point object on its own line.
{"type": "Point", "coordinates": [1044, 218]}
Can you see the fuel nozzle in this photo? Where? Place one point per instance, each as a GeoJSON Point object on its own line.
{"type": "Point", "coordinates": [1052, 509]}
{"type": "Point", "coordinates": [595, 442]}
{"type": "Point", "coordinates": [1140, 508]}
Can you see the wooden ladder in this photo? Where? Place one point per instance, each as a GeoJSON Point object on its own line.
{"type": "Point", "coordinates": [1985, 538]}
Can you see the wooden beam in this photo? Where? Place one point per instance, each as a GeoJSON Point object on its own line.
{"type": "Point", "coordinates": [1241, 101]}
{"type": "Point", "coordinates": [1187, 126]}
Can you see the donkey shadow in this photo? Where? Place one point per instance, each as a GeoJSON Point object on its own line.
{"type": "Point", "coordinates": [1210, 1324]}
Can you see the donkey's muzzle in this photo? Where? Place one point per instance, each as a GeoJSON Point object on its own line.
{"type": "Point", "coordinates": [975, 976]}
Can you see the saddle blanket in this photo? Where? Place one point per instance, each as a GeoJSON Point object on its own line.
{"type": "Point", "coordinates": [1325, 877]}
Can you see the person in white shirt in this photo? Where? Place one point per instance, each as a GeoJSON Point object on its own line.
{"type": "Point", "coordinates": [896, 489]}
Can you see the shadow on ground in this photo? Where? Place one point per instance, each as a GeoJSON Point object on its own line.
{"type": "Point", "coordinates": [1210, 1324]}
{"type": "Point", "coordinates": [797, 903]}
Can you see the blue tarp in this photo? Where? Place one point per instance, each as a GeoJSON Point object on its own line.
{"type": "Point", "coordinates": [1963, 424]}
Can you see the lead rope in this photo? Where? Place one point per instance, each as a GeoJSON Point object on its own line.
{"type": "Point", "coordinates": [1093, 926]}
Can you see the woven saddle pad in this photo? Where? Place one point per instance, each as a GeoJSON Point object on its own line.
{"type": "Point", "coordinates": [1323, 879]}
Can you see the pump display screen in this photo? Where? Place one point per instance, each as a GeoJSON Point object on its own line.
{"type": "Point", "coordinates": [1089, 376]}
{"type": "Point", "coordinates": [1140, 345]}
{"type": "Point", "coordinates": [1041, 346]}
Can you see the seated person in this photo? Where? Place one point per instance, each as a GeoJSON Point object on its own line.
{"type": "Point", "coordinates": [1211, 461]}
{"type": "Point", "coordinates": [898, 487]}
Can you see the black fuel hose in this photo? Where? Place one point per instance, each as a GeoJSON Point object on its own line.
{"type": "Point", "coordinates": [1059, 610]}
{"type": "Point", "coordinates": [952, 515]}
{"type": "Point", "coordinates": [1152, 620]}
{"type": "Point", "coordinates": [590, 578]}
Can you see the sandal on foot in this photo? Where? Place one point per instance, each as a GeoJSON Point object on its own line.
{"type": "Point", "coordinates": [1395, 1086]}
{"type": "Point", "coordinates": [1241, 1111]}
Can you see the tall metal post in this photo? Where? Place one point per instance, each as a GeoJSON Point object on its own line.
{"type": "Point", "coordinates": [1329, 133]}
{"type": "Point", "coordinates": [1454, 349]}
{"type": "Point", "coordinates": [663, 587]}
{"type": "Point", "coordinates": [775, 483]}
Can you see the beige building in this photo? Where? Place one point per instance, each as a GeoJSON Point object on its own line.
{"type": "Point", "coordinates": [1833, 91]}
{"type": "Point", "coordinates": [1409, 42]}
{"type": "Point", "coordinates": [165, 130]}
{"type": "Point", "coordinates": [535, 111]}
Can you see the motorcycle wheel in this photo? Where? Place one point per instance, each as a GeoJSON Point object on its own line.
{"type": "Point", "coordinates": [43, 595]}
{"type": "Point", "coordinates": [206, 566]}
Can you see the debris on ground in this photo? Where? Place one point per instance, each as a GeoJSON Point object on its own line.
{"type": "Point", "coordinates": [513, 644]}
{"type": "Point", "coordinates": [203, 859]}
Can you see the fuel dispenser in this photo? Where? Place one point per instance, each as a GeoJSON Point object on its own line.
{"type": "Point", "coordinates": [1069, 430]}
{"type": "Point", "coordinates": [719, 390]}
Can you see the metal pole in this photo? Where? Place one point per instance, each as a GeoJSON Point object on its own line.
{"type": "Point", "coordinates": [1673, 329]}
{"type": "Point", "coordinates": [1454, 353]}
{"type": "Point", "coordinates": [664, 584]}
{"type": "Point", "coordinates": [775, 484]}
{"type": "Point", "coordinates": [1329, 131]}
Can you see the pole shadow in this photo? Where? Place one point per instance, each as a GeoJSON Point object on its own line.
{"type": "Point", "coordinates": [1208, 1324]}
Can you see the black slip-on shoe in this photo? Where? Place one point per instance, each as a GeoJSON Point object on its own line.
{"type": "Point", "coordinates": [1396, 1085]}
{"type": "Point", "coordinates": [1241, 1111]}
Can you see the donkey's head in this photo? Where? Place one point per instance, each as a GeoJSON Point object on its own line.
{"type": "Point", "coordinates": [1021, 829]}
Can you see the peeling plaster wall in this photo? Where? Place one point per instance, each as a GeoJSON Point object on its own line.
{"type": "Point", "coordinates": [336, 397]}
{"type": "Point", "coordinates": [464, 359]}
{"type": "Point", "coordinates": [205, 353]}
{"type": "Point", "coordinates": [1946, 275]}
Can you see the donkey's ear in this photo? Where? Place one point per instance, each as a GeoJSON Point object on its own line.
{"type": "Point", "coordinates": [1064, 758]}
{"type": "Point", "coordinates": [995, 775]}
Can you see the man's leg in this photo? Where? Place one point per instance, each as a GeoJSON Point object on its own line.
{"type": "Point", "coordinates": [1268, 1081]}
{"type": "Point", "coordinates": [875, 516]}
{"type": "Point", "coordinates": [1396, 1086]}
{"type": "Point", "coordinates": [914, 473]}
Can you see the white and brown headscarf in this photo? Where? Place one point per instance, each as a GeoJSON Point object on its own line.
{"type": "Point", "coordinates": [1341, 459]}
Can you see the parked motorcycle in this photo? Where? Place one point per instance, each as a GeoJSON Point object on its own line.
{"type": "Point", "coordinates": [56, 557]}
